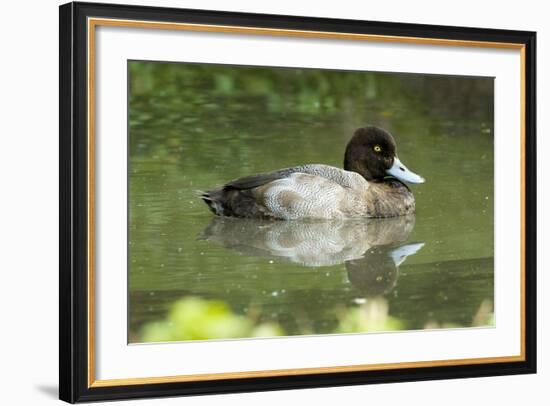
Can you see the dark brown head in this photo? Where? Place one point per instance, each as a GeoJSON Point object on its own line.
{"type": "Point", "coordinates": [371, 152]}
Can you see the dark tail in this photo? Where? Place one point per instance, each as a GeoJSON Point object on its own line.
{"type": "Point", "coordinates": [233, 203]}
{"type": "Point", "coordinates": [213, 198]}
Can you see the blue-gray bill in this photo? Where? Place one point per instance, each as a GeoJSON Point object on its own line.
{"type": "Point", "coordinates": [401, 172]}
{"type": "Point", "coordinates": [400, 254]}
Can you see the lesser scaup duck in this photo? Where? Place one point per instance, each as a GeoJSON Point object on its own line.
{"type": "Point", "coordinates": [370, 185]}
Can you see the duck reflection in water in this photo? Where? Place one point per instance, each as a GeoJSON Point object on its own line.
{"type": "Point", "coordinates": [370, 249]}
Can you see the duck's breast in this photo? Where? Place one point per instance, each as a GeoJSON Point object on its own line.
{"type": "Point", "coordinates": [390, 198]}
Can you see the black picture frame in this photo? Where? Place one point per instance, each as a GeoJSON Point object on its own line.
{"type": "Point", "coordinates": [73, 283]}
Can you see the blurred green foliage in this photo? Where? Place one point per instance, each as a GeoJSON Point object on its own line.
{"type": "Point", "coordinates": [193, 318]}
{"type": "Point", "coordinates": [370, 317]}
{"type": "Point", "coordinates": [175, 109]}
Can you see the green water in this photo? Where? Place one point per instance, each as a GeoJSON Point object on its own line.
{"type": "Point", "coordinates": [193, 127]}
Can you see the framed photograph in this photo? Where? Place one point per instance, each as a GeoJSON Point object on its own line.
{"type": "Point", "coordinates": [256, 202]}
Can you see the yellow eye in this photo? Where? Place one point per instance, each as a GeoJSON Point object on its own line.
{"type": "Point", "coordinates": [377, 148]}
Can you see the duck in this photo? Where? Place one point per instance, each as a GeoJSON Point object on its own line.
{"type": "Point", "coordinates": [372, 184]}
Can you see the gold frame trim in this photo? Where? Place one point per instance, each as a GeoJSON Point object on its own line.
{"type": "Point", "coordinates": [94, 22]}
